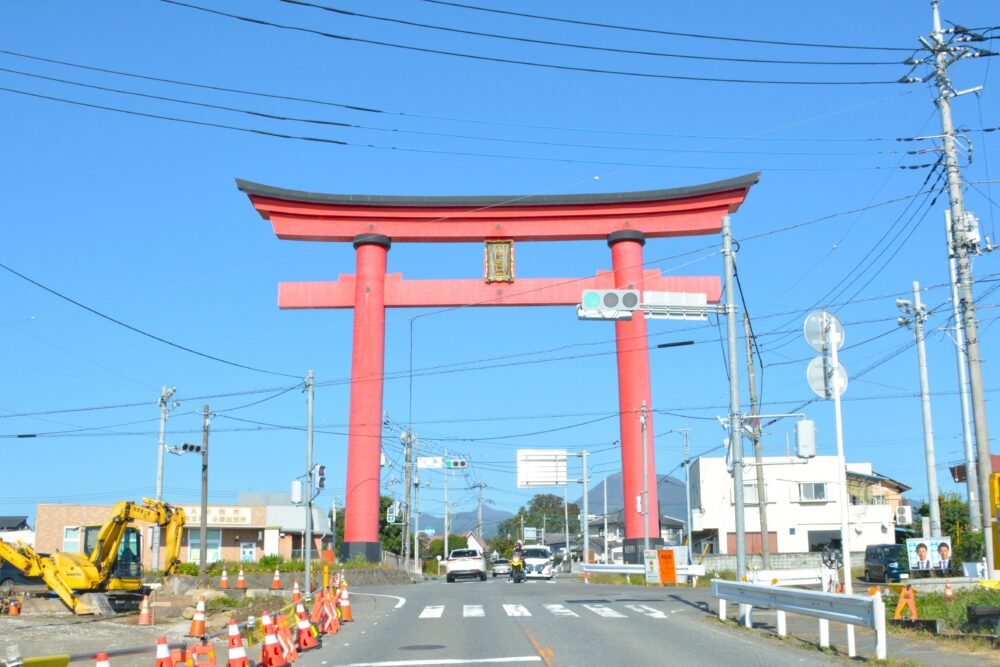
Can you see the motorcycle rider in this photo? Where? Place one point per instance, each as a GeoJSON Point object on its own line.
{"type": "Point", "coordinates": [519, 553]}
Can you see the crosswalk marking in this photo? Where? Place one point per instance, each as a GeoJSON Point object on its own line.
{"type": "Point", "coordinates": [473, 611]}
{"type": "Point", "coordinates": [560, 610]}
{"type": "Point", "coordinates": [647, 610]}
{"type": "Point", "coordinates": [433, 611]}
{"type": "Point", "coordinates": [606, 612]}
{"type": "Point", "coordinates": [516, 610]}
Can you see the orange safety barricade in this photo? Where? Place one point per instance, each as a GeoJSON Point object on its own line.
{"type": "Point", "coordinates": [907, 598]}
{"type": "Point", "coordinates": [196, 651]}
{"type": "Point", "coordinates": [285, 639]}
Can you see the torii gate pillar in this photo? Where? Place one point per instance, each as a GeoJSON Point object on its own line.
{"type": "Point", "coordinates": [364, 440]}
{"type": "Point", "coordinates": [633, 390]}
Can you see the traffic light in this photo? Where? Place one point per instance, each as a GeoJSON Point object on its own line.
{"type": "Point", "coordinates": [390, 514]}
{"type": "Point", "coordinates": [608, 304]}
{"type": "Point", "coordinates": [455, 463]}
{"type": "Point", "coordinates": [320, 477]}
{"type": "Point", "coordinates": [194, 449]}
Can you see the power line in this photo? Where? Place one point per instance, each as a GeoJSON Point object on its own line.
{"type": "Point", "coordinates": [588, 47]}
{"type": "Point", "coordinates": [136, 329]}
{"type": "Point", "coordinates": [668, 32]}
{"type": "Point", "coordinates": [511, 61]}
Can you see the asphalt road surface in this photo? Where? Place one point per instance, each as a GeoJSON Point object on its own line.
{"type": "Point", "coordinates": [558, 623]}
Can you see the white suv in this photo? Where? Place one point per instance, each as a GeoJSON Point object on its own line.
{"type": "Point", "coordinates": [537, 561]}
{"type": "Point", "coordinates": [465, 563]}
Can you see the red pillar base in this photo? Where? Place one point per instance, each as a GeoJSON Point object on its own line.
{"type": "Point", "coordinates": [632, 548]}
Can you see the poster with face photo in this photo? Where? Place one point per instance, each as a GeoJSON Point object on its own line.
{"type": "Point", "coordinates": [929, 553]}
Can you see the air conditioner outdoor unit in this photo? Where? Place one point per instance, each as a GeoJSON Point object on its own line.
{"type": "Point", "coordinates": [904, 515]}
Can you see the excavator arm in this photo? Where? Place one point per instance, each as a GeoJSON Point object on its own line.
{"type": "Point", "coordinates": [31, 564]}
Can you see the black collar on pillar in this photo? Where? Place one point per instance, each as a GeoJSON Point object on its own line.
{"type": "Point", "coordinates": [372, 239]}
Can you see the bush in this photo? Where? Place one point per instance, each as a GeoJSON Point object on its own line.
{"type": "Point", "coordinates": [970, 548]}
{"type": "Point", "coordinates": [189, 569]}
{"type": "Point", "coordinates": [952, 612]}
{"type": "Point", "coordinates": [270, 562]}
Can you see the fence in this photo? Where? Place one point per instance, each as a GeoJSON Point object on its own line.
{"type": "Point", "coordinates": [867, 611]}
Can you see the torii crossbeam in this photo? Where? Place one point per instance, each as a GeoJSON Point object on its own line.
{"type": "Point", "coordinates": [373, 223]}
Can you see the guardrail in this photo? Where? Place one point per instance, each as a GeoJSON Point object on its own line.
{"type": "Point", "coordinates": [620, 568]}
{"type": "Point", "coordinates": [822, 576]}
{"type": "Point", "coordinates": [851, 609]}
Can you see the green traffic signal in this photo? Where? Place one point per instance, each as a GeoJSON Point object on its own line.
{"type": "Point", "coordinates": [591, 299]}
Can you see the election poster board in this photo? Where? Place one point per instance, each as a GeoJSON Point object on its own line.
{"type": "Point", "coordinates": [929, 553]}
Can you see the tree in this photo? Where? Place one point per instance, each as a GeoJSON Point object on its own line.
{"type": "Point", "coordinates": [454, 542]}
{"type": "Point", "coordinates": [390, 535]}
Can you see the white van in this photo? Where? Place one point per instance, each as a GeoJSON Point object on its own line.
{"type": "Point", "coordinates": [537, 561]}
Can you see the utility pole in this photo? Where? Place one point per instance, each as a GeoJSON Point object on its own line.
{"type": "Point", "coordinates": [645, 483]}
{"type": "Point", "coordinates": [308, 537]}
{"type": "Point", "coordinates": [586, 510]}
{"type": "Point", "coordinates": [446, 552]}
{"type": "Point", "coordinates": [569, 559]}
{"type": "Point", "coordinates": [685, 433]}
{"type": "Point", "coordinates": [971, 472]}
{"type": "Point", "coordinates": [203, 532]}
{"type": "Point", "coordinates": [165, 396]}
{"type": "Point", "coordinates": [408, 483]}
{"type": "Point", "coordinates": [606, 519]}
{"type": "Point", "coordinates": [479, 519]}
{"type": "Point", "coordinates": [758, 453]}
{"type": "Point", "coordinates": [416, 509]}
{"type": "Point", "coordinates": [522, 529]}
{"type": "Point", "coordinates": [735, 419]}
{"type": "Point", "coordinates": [915, 313]}
{"type": "Point", "coordinates": [964, 241]}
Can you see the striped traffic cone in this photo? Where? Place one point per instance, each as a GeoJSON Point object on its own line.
{"type": "Point", "coordinates": [241, 582]}
{"type": "Point", "coordinates": [198, 622]}
{"type": "Point", "coordinates": [296, 593]}
{"type": "Point", "coordinates": [144, 617]}
{"type": "Point", "coordinates": [345, 604]}
{"type": "Point", "coordinates": [285, 639]}
{"type": "Point", "coordinates": [224, 580]}
{"type": "Point", "coordinates": [276, 582]}
{"type": "Point", "coordinates": [237, 653]}
{"type": "Point", "coordinates": [948, 594]}
{"type": "Point", "coordinates": [270, 651]}
{"type": "Point", "coordinates": [331, 622]}
{"type": "Point", "coordinates": [102, 660]}
{"type": "Point", "coordinates": [163, 658]}
{"type": "Point", "coordinates": [305, 634]}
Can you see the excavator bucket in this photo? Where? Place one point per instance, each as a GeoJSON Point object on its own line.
{"type": "Point", "coordinates": [95, 604]}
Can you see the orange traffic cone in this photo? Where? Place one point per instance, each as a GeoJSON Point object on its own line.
{"type": "Point", "coordinates": [237, 652]}
{"type": "Point", "coordinates": [948, 594]}
{"type": "Point", "coordinates": [224, 580]}
{"type": "Point", "coordinates": [241, 582]}
{"type": "Point", "coordinates": [331, 622]}
{"type": "Point", "coordinates": [102, 660]}
{"type": "Point", "coordinates": [144, 617]}
{"type": "Point", "coordinates": [285, 639]}
{"type": "Point", "coordinates": [14, 608]}
{"type": "Point", "coordinates": [305, 634]}
{"type": "Point", "coordinates": [270, 652]}
{"type": "Point", "coordinates": [163, 658]}
{"type": "Point", "coordinates": [276, 582]}
{"type": "Point", "coordinates": [345, 604]}
{"type": "Point", "coordinates": [296, 593]}
{"type": "Point", "coordinates": [198, 622]}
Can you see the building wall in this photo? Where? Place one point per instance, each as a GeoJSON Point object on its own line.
{"type": "Point", "coordinates": [50, 520]}
{"type": "Point", "coordinates": [789, 517]}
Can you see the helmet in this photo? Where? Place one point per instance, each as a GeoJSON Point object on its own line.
{"type": "Point", "coordinates": [517, 545]}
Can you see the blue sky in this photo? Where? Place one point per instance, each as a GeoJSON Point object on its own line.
{"type": "Point", "coordinates": [139, 218]}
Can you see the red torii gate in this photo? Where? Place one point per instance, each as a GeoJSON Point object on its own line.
{"type": "Point", "coordinates": [373, 223]}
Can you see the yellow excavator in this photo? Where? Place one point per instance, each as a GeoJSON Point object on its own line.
{"type": "Point", "coordinates": [110, 565]}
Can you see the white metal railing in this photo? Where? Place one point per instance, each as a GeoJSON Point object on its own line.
{"type": "Point", "coordinates": [822, 576]}
{"type": "Point", "coordinates": [867, 611]}
{"type": "Point", "coordinates": [621, 568]}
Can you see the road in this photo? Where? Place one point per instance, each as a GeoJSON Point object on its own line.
{"type": "Point", "coordinates": [558, 623]}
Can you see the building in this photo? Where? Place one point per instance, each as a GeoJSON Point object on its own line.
{"type": "Point", "coordinates": [803, 513]}
{"type": "Point", "coordinates": [15, 529]}
{"type": "Point", "coordinates": [259, 524]}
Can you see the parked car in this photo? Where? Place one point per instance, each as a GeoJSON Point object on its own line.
{"type": "Point", "coordinates": [537, 562]}
{"type": "Point", "coordinates": [501, 566]}
{"type": "Point", "coordinates": [467, 563]}
{"type": "Point", "coordinates": [13, 578]}
{"type": "Point", "coordinates": [886, 562]}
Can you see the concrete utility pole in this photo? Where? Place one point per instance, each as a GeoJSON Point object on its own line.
{"type": "Point", "coordinates": [308, 536]}
{"type": "Point", "coordinates": [569, 559]}
{"type": "Point", "coordinates": [165, 396]}
{"type": "Point", "coordinates": [964, 241]}
{"type": "Point", "coordinates": [971, 472]}
{"type": "Point", "coordinates": [645, 483]}
{"type": "Point", "coordinates": [479, 518]}
{"type": "Point", "coordinates": [408, 483]}
{"type": "Point", "coordinates": [203, 532]}
{"type": "Point", "coordinates": [735, 420]}
{"type": "Point", "coordinates": [446, 552]}
{"type": "Point", "coordinates": [915, 313]}
{"type": "Point", "coordinates": [416, 509]}
{"type": "Point", "coordinates": [606, 559]}
{"type": "Point", "coordinates": [586, 509]}
{"type": "Point", "coordinates": [758, 449]}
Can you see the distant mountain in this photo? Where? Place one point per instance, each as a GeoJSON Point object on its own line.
{"type": "Point", "coordinates": [670, 491]}
{"type": "Point", "coordinates": [463, 522]}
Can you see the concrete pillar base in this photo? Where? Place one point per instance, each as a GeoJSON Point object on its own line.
{"type": "Point", "coordinates": [370, 551]}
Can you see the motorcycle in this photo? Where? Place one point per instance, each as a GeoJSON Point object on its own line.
{"type": "Point", "coordinates": [517, 568]}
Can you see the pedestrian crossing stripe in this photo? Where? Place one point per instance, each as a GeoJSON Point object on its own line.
{"type": "Point", "coordinates": [516, 610]}
{"type": "Point", "coordinates": [432, 612]}
{"type": "Point", "coordinates": [519, 610]}
{"type": "Point", "coordinates": [560, 610]}
{"type": "Point", "coordinates": [647, 610]}
{"type": "Point", "coordinates": [473, 611]}
{"type": "Point", "coordinates": [605, 612]}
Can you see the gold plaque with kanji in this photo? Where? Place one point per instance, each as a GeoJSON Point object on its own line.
{"type": "Point", "coordinates": [499, 261]}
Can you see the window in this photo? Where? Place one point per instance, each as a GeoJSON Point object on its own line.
{"type": "Point", "coordinates": [812, 491]}
{"type": "Point", "coordinates": [750, 496]}
{"type": "Point", "coordinates": [214, 545]}
{"type": "Point", "coordinates": [71, 539]}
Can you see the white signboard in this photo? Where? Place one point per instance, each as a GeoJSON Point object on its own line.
{"type": "Point", "coordinates": [218, 516]}
{"type": "Point", "coordinates": [541, 468]}
{"type": "Point", "coordinates": [651, 565]}
{"type": "Point", "coordinates": [430, 461]}
{"type": "Point", "coordinates": [530, 533]}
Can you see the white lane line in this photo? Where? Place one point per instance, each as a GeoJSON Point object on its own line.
{"type": "Point", "coordinates": [605, 612]}
{"type": "Point", "coordinates": [647, 610]}
{"type": "Point", "coordinates": [399, 604]}
{"type": "Point", "coordinates": [516, 610]}
{"type": "Point", "coordinates": [473, 611]}
{"type": "Point", "coordinates": [448, 661]}
{"type": "Point", "coordinates": [433, 611]}
{"type": "Point", "coordinates": [560, 610]}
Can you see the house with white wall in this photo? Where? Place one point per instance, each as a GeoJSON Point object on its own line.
{"type": "Point", "coordinates": [802, 507]}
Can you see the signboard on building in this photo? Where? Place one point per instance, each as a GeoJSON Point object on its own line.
{"type": "Point", "coordinates": [219, 516]}
{"type": "Point", "coordinates": [541, 468]}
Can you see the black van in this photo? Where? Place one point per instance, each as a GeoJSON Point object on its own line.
{"type": "Point", "coordinates": [886, 562]}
